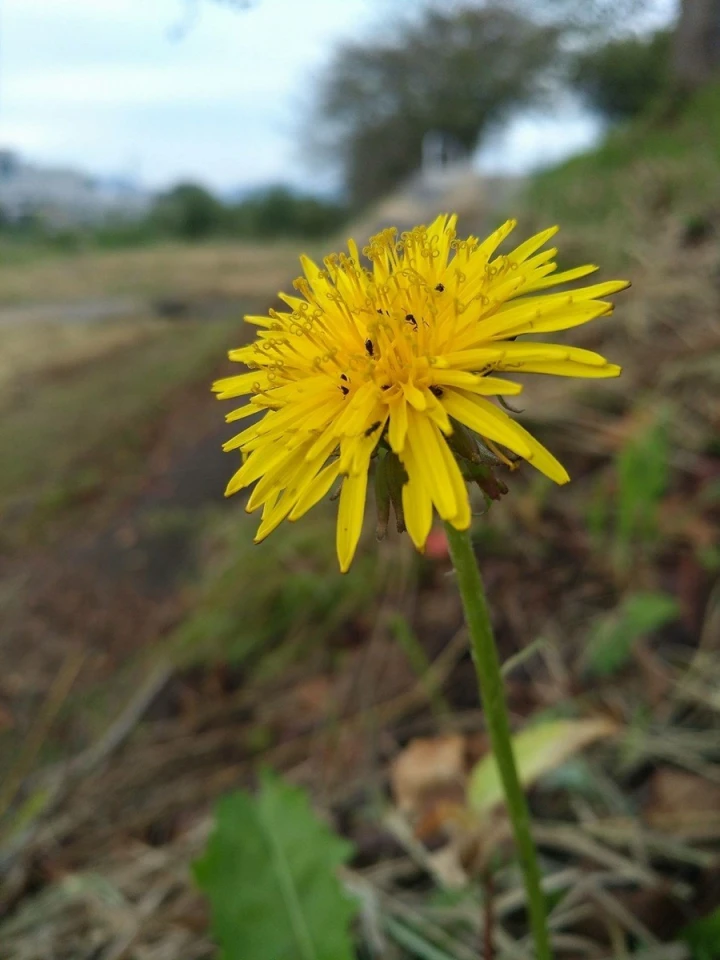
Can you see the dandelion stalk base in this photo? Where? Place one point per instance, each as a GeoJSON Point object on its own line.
{"type": "Point", "coordinates": [487, 667]}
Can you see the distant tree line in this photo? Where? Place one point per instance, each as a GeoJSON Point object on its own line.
{"type": "Point", "coordinates": [190, 212]}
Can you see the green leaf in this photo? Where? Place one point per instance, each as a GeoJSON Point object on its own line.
{"type": "Point", "coordinates": [270, 874]}
{"type": "Point", "coordinates": [703, 936]}
{"type": "Point", "coordinates": [643, 473]}
{"type": "Point", "coordinates": [538, 750]}
{"type": "Point", "coordinates": [611, 642]}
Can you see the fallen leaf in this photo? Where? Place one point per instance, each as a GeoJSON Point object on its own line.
{"type": "Point", "coordinates": [538, 750]}
{"type": "Point", "coordinates": [426, 768]}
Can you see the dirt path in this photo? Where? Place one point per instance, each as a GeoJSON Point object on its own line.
{"type": "Point", "coordinates": [84, 311]}
{"type": "Point", "coordinates": [110, 581]}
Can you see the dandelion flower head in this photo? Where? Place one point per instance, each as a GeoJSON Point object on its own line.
{"type": "Point", "coordinates": [391, 355]}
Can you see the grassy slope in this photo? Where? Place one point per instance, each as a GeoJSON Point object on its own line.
{"type": "Point", "coordinates": [655, 166]}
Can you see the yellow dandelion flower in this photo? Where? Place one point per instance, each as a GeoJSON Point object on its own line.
{"type": "Point", "coordinates": [397, 354]}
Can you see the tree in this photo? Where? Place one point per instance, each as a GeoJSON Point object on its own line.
{"type": "Point", "coordinates": [622, 77]}
{"type": "Point", "coordinates": [189, 211]}
{"type": "Point", "coordinates": [454, 72]}
{"type": "Point", "coordinates": [279, 211]}
{"type": "Point", "coordinates": [696, 48]}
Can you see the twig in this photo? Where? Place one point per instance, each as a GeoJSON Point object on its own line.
{"type": "Point", "coordinates": [119, 948]}
{"type": "Point", "coordinates": [572, 839]}
{"type": "Point", "coordinates": [519, 658]}
{"type": "Point", "coordinates": [123, 726]}
{"type": "Point", "coordinates": [61, 780]}
{"type": "Point", "coordinates": [612, 906]}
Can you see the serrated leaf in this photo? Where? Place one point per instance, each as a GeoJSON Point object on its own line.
{"type": "Point", "coordinates": [611, 642]}
{"type": "Point", "coordinates": [538, 750]}
{"type": "Point", "coordinates": [270, 874]}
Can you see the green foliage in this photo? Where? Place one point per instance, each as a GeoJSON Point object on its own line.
{"type": "Point", "coordinates": [452, 71]}
{"type": "Point", "coordinates": [280, 212]}
{"type": "Point", "coordinates": [611, 642]}
{"type": "Point", "coordinates": [418, 660]}
{"type": "Point", "coordinates": [629, 512]}
{"type": "Point", "coordinates": [414, 942]}
{"type": "Point", "coordinates": [703, 936]}
{"type": "Point", "coordinates": [623, 77]}
{"type": "Point", "coordinates": [292, 596]}
{"type": "Point", "coordinates": [615, 194]}
{"type": "Point", "coordinates": [270, 874]}
{"type": "Point", "coordinates": [189, 212]}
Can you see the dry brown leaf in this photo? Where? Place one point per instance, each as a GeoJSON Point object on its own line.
{"type": "Point", "coordinates": [425, 769]}
{"type": "Point", "coordinates": [681, 802]}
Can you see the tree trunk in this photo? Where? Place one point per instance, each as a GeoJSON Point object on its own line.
{"type": "Point", "coordinates": [696, 53]}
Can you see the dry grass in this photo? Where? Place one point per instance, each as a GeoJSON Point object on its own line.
{"type": "Point", "coordinates": [217, 270]}
{"type": "Point", "coordinates": [100, 409]}
{"type": "Point", "coordinates": [30, 350]}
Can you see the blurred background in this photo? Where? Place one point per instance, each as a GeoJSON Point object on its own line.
{"type": "Point", "coordinates": [161, 167]}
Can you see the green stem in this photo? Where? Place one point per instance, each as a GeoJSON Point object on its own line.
{"type": "Point", "coordinates": [487, 667]}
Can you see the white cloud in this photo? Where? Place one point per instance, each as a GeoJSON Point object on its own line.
{"type": "Point", "coordinates": [99, 83]}
{"type": "Point", "coordinates": [126, 85]}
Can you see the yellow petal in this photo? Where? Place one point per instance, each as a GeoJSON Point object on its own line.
{"type": "Point", "coordinates": [426, 442]}
{"type": "Point", "coordinates": [273, 519]}
{"type": "Point", "coordinates": [417, 505]}
{"type": "Point", "coordinates": [259, 462]}
{"type": "Point", "coordinates": [568, 368]}
{"type": "Point", "coordinates": [414, 396]}
{"type": "Point", "coordinates": [238, 386]}
{"type": "Point", "coordinates": [315, 490]}
{"type": "Point", "coordinates": [350, 518]}
{"type": "Point", "coordinates": [528, 248]}
{"type": "Point", "coordinates": [473, 412]}
{"type": "Point", "coordinates": [461, 519]}
{"type": "Point", "coordinates": [517, 437]}
{"type": "Point", "coordinates": [565, 276]}
{"type": "Point", "coordinates": [247, 410]}
{"type": "Point", "coordinates": [398, 424]}
{"type": "Point", "coordinates": [543, 319]}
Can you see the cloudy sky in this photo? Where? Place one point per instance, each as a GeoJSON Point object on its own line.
{"type": "Point", "coordinates": [107, 85]}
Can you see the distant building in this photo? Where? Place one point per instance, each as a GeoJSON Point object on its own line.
{"type": "Point", "coordinates": [64, 197]}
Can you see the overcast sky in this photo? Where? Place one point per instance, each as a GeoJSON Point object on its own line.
{"type": "Point", "coordinates": [102, 85]}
